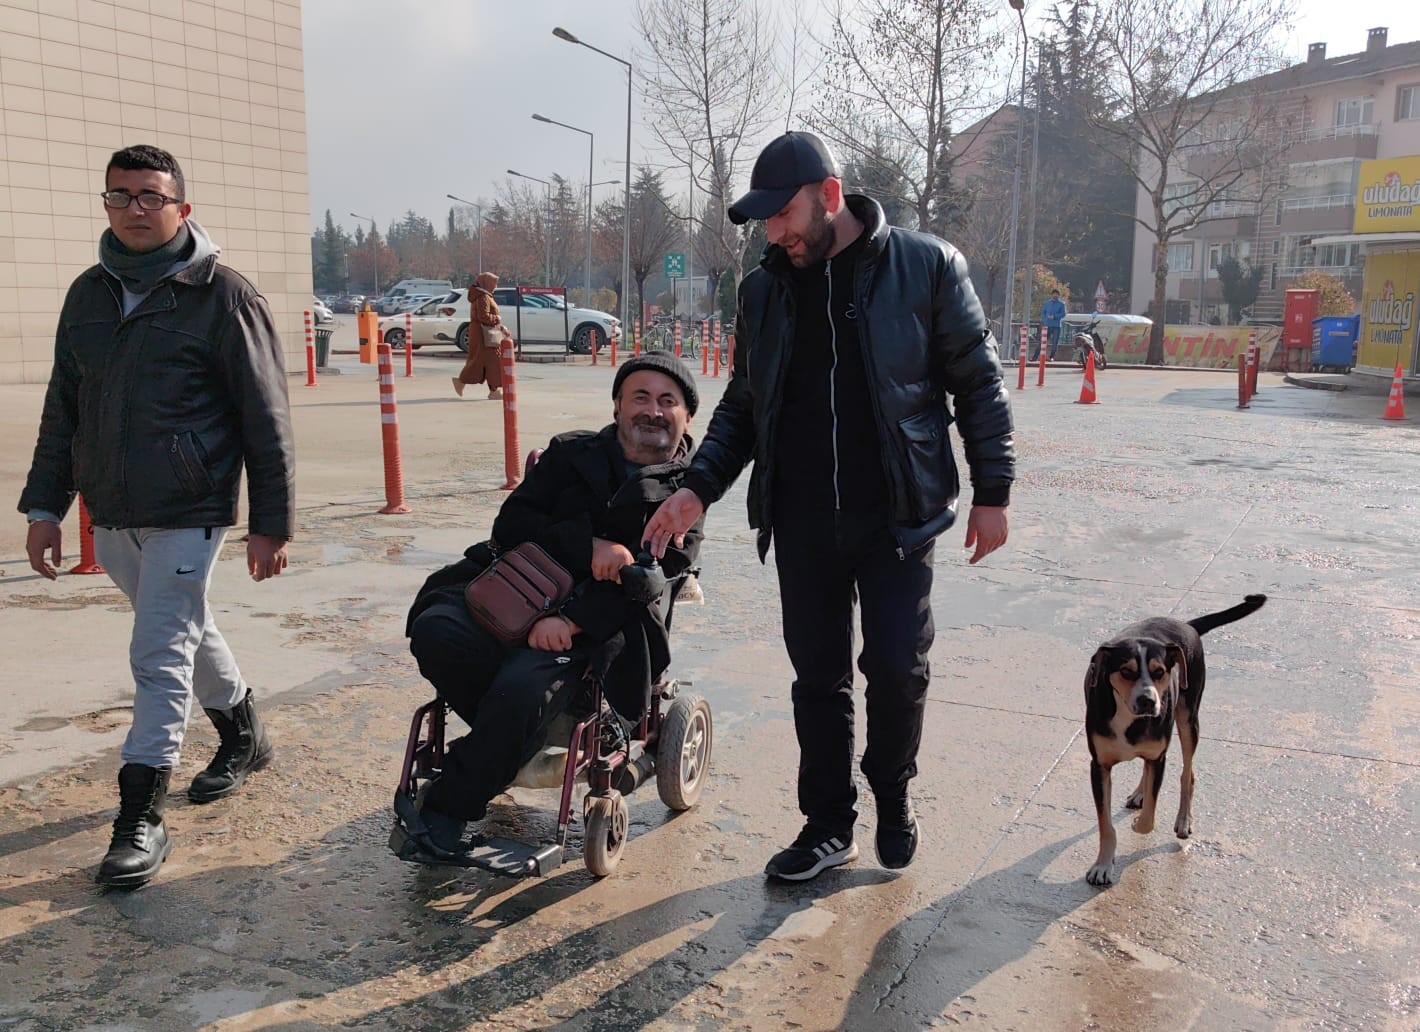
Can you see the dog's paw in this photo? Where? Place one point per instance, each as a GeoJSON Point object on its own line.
{"type": "Point", "coordinates": [1100, 874]}
{"type": "Point", "coordinates": [1143, 823]}
{"type": "Point", "coordinates": [1135, 800]}
{"type": "Point", "coordinates": [1183, 827]}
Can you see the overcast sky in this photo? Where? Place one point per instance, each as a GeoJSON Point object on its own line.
{"type": "Point", "coordinates": [408, 102]}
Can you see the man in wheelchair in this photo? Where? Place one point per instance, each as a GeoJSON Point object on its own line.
{"type": "Point", "coordinates": [586, 503]}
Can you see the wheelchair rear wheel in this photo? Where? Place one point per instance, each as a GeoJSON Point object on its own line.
{"type": "Point", "coordinates": [607, 819]}
{"type": "Point", "coordinates": [683, 755]}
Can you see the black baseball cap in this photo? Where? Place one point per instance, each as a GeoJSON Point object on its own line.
{"type": "Point", "coordinates": [786, 164]}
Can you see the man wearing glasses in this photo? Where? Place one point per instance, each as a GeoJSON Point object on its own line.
{"type": "Point", "coordinates": [168, 379]}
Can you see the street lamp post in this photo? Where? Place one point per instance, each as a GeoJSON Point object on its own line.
{"type": "Point", "coordinates": [479, 207]}
{"type": "Point", "coordinates": [1019, 6]}
{"type": "Point", "coordinates": [375, 252]}
{"type": "Point", "coordinates": [591, 145]}
{"type": "Point", "coordinates": [547, 184]}
{"type": "Point", "coordinates": [563, 34]}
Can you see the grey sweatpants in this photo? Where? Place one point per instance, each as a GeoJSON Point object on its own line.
{"type": "Point", "coordinates": [176, 649]}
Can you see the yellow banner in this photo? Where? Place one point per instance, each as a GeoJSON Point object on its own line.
{"type": "Point", "coordinates": [1388, 197]}
{"type": "Point", "coordinates": [1388, 310]}
{"type": "Point", "coordinates": [1212, 347]}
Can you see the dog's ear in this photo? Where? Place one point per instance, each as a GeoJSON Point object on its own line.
{"type": "Point", "coordinates": [1178, 662]}
{"type": "Point", "coordinates": [1096, 674]}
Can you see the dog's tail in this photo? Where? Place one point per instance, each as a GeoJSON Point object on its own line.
{"type": "Point", "coordinates": [1250, 605]}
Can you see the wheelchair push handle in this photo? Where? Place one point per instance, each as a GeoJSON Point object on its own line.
{"type": "Point", "coordinates": [643, 581]}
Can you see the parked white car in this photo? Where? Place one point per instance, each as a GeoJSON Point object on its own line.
{"type": "Point", "coordinates": [321, 312]}
{"type": "Point", "coordinates": [442, 320]}
{"type": "Point", "coordinates": [545, 319]}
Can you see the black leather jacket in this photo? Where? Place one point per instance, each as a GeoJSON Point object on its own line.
{"type": "Point", "coordinates": [924, 337]}
{"type": "Point", "coordinates": [152, 415]}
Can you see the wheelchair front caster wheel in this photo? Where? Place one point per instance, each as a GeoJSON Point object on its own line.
{"type": "Point", "coordinates": [683, 755]}
{"type": "Point", "coordinates": [607, 821]}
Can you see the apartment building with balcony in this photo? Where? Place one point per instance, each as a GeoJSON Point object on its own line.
{"type": "Point", "coordinates": [1333, 113]}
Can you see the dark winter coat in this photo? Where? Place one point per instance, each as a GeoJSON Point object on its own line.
{"type": "Point", "coordinates": [151, 416]}
{"type": "Point", "coordinates": [924, 338]}
{"type": "Point", "coordinates": [579, 490]}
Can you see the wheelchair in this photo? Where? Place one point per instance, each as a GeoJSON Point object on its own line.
{"type": "Point", "coordinates": [672, 742]}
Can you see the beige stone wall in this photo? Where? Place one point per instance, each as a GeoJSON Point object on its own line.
{"type": "Point", "coordinates": [219, 83]}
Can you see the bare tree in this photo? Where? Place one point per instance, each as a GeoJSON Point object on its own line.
{"type": "Point", "coordinates": [1196, 130]}
{"type": "Point", "coordinates": [710, 84]}
{"type": "Point", "coordinates": [653, 230]}
{"type": "Point", "coordinates": [903, 72]}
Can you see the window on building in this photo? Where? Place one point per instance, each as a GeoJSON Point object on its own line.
{"type": "Point", "coordinates": [1321, 184]}
{"type": "Point", "coordinates": [1276, 247]}
{"type": "Point", "coordinates": [1407, 103]}
{"type": "Point", "coordinates": [1272, 279]}
{"type": "Point", "coordinates": [1239, 249]}
{"type": "Point", "coordinates": [1179, 195]}
{"type": "Point", "coordinates": [1181, 257]}
{"type": "Point", "coordinates": [1356, 111]}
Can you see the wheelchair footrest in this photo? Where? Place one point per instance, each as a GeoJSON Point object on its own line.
{"type": "Point", "coordinates": [495, 855]}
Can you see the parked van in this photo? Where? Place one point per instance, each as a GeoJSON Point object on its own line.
{"type": "Point", "coordinates": [396, 296]}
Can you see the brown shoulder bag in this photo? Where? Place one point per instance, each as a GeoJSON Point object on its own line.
{"type": "Point", "coordinates": [522, 585]}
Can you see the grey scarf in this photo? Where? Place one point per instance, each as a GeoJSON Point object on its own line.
{"type": "Point", "coordinates": [141, 272]}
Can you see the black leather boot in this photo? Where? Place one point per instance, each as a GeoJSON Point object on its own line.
{"type": "Point", "coordinates": [243, 748]}
{"type": "Point", "coordinates": [140, 839]}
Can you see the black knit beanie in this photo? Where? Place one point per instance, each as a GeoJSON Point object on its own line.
{"type": "Point", "coordinates": [661, 362]}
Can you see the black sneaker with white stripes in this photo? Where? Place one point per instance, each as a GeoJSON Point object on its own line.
{"type": "Point", "coordinates": [815, 850]}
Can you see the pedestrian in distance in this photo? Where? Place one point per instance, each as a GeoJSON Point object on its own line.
{"type": "Point", "coordinates": [486, 334]}
{"type": "Point", "coordinates": [1052, 314]}
{"type": "Point", "coordinates": [168, 379]}
{"type": "Point", "coordinates": [851, 337]}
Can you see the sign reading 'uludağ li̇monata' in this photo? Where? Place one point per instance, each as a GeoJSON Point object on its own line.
{"type": "Point", "coordinates": [1388, 196]}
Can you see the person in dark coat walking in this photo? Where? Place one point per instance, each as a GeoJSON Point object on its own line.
{"type": "Point", "coordinates": [168, 381]}
{"type": "Point", "coordinates": [850, 338]}
{"type": "Point", "coordinates": [586, 503]}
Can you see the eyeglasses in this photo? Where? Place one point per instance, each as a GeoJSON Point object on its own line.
{"type": "Point", "coordinates": [147, 200]}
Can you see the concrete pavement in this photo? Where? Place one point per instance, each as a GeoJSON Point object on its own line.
{"type": "Point", "coordinates": [1295, 905]}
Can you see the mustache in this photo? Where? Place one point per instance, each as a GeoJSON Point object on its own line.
{"type": "Point", "coordinates": [651, 421]}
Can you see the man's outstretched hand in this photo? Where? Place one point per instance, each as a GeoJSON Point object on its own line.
{"type": "Point", "coordinates": [986, 528]}
{"type": "Point", "coordinates": [676, 515]}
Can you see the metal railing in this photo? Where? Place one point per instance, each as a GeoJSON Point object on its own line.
{"type": "Point", "coordinates": [1314, 203]}
{"type": "Point", "coordinates": [1333, 132]}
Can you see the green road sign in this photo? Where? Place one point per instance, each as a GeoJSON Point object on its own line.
{"type": "Point", "coordinates": [675, 266]}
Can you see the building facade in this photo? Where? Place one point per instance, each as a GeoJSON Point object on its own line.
{"type": "Point", "coordinates": [1338, 112]}
{"type": "Point", "coordinates": [219, 83]}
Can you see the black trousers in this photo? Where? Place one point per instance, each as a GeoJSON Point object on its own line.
{"type": "Point", "coordinates": [506, 695]}
{"type": "Point", "coordinates": [823, 568]}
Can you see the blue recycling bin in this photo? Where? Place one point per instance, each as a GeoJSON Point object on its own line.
{"type": "Point", "coordinates": [1334, 342]}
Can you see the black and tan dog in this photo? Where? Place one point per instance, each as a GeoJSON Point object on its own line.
{"type": "Point", "coordinates": [1138, 686]}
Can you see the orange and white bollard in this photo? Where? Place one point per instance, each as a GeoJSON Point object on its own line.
{"type": "Point", "coordinates": [1040, 380]}
{"type": "Point", "coordinates": [1254, 357]}
{"type": "Point", "coordinates": [611, 355]}
{"type": "Point", "coordinates": [87, 561]}
{"type": "Point", "coordinates": [719, 339]}
{"type": "Point", "coordinates": [512, 462]}
{"type": "Point", "coordinates": [1025, 346]}
{"type": "Point", "coordinates": [389, 431]}
{"type": "Point", "coordinates": [677, 338]}
{"type": "Point", "coordinates": [636, 337]}
{"type": "Point", "coordinates": [1242, 381]}
{"type": "Point", "coordinates": [730, 356]}
{"type": "Point", "coordinates": [408, 343]}
{"type": "Point", "coordinates": [310, 352]}
{"type": "Point", "coordinates": [705, 346]}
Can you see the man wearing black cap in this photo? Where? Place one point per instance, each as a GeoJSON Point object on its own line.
{"type": "Point", "coordinates": [586, 502]}
{"type": "Point", "coordinates": [850, 337]}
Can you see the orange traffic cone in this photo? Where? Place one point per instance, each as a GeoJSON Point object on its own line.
{"type": "Point", "coordinates": [1087, 385]}
{"type": "Point", "coordinates": [1395, 404]}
